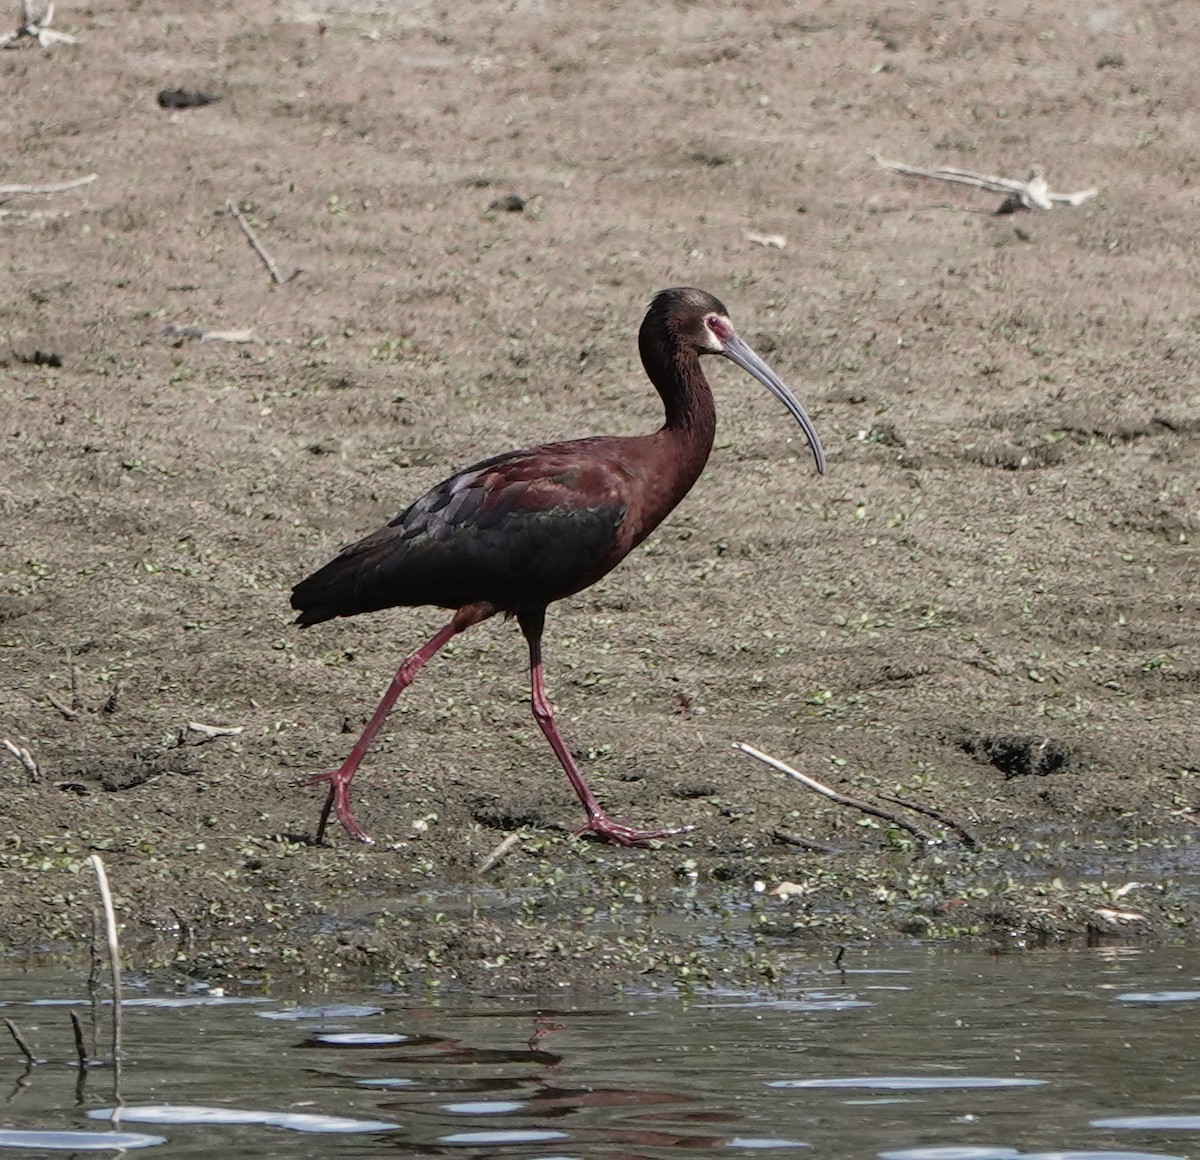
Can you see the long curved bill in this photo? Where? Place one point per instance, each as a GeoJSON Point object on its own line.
{"type": "Point", "coordinates": [734, 349]}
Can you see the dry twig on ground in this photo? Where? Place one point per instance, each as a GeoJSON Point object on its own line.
{"type": "Point", "coordinates": [1032, 193]}
{"type": "Point", "coordinates": [181, 331]}
{"type": "Point", "coordinates": [832, 794]}
{"type": "Point", "coordinates": [499, 853]}
{"type": "Point", "coordinates": [39, 215]}
{"type": "Point", "coordinates": [259, 248]}
{"type": "Point", "coordinates": [206, 733]}
{"type": "Point", "coordinates": [66, 710]}
{"type": "Point", "coordinates": [787, 838]}
{"type": "Point", "coordinates": [968, 839]}
{"type": "Point", "coordinates": [25, 758]}
{"type": "Point", "coordinates": [50, 187]}
{"type": "Point", "coordinates": [36, 28]}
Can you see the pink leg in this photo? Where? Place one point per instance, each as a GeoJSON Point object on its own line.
{"type": "Point", "coordinates": [598, 823]}
{"type": "Point", "coordinates": [339, 779]}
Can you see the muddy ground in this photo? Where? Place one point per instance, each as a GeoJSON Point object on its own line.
{"type": "Point", "coordinates": [988, 606]}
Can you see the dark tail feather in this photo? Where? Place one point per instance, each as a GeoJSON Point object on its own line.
{"type": "Point", "coordinates": [337, 589]}
{"type": "Point", "coordinates": [390, 568]}
{"type": "Point", "coordinates": [312, 598]}
{"type": "Point", "coordinates": [311, 616]}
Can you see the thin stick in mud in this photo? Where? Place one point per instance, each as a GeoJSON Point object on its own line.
{"type": "Point", "coordinates": [968, 839]}
{"type": "Point", "coordinates": [499, 853]}
{"type": "Point", "coordinates": [80, 1047]}
{"type": "Point", "coordinates": [258, 247]}
{"type": "Point", "coordinates": [19, 1039]}
{"type": "Point", "coordinates": [832, 794]}
{"type": "Point", "coordinates": [114, 961]}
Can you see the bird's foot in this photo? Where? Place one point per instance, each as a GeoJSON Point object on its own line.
{"type": "Point", "coordinates": [606, 830]}
{"type": "Point", "coordinates": [338, 802]}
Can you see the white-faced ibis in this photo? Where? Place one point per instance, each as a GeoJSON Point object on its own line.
{"type": "Point", "coordinates": [518, 531]}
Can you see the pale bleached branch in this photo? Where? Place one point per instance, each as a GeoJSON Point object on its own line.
{"type": "Point", "coordinates": [832, 794]}
{"type": "Point", "coordinates": [499, 853]}
{"type": "Point", "coordinates": [1032, 193]}
{"type": "Point", "coordinates": [25, 758]}
{"type": "Point", "coordinates": [36, 28]}
{"type": "Point", "coordinates": [114, 963]}
{"type": "Point", "coordinates": [48, 187]}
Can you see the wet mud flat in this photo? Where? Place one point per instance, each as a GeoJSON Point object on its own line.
{"type": "Point", "coordinates": [988, 606]}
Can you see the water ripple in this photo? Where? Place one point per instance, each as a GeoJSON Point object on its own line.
{"type": "Point", "coordinates": [332, 1011]}
{"type": "Point", "coordinates": [200, 1114]}
{"type": "Point", "coordinates": [951, 1153]}
{"type": "Point", "coordinates": [77, 1141]}
{"type": "Point", "coordinates": [1179, 1123]}
{"type": "Point", "coordinates": [484, 1107]}
{"type": "Point", "coordinates": [1159, 997]}
{"type": "Point", "coordinates": [360, 1038]}
{"type": "Point", "coordinates": [1099, 1156]}
{"type": "Point", "coordinates": [1002, 1153]}
{"type": "Point", "coordinates": [497, 1138]}
{"type": "Point", "coordinates": [911, 1083]}
{"type": "Point", "coordinates": [763, 1143]}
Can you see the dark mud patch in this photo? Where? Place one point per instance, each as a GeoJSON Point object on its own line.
{"type": "Point", "coordinates": [1016, 755]}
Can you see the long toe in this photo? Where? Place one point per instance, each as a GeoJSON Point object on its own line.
{"type": "Point", "coordinates": [606, 830]}
{"type": "Point", "coordinates": [338, 802]}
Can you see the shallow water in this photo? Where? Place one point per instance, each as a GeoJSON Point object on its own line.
{"type": "Point", "coordinates": [919, 1055]}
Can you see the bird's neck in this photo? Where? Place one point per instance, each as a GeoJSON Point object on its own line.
{"type": "Point", "coordinates": [686, 436]}
{"type": "Point", "coordinates": [688, 432]}
{"type": "Point", "coordinates": [691, 416]}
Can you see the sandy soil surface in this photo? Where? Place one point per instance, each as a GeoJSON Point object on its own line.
{"type": "Point", "coordinates": [988, 606]}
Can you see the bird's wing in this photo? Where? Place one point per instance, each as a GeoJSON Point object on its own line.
{"type": "Point", "coordinates": [553, 480]}
{"type": "Point", "coordinates": [517, 531]}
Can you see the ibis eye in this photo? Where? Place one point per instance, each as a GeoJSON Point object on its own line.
{"type": "Point", "coordinates": [718, 326]}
